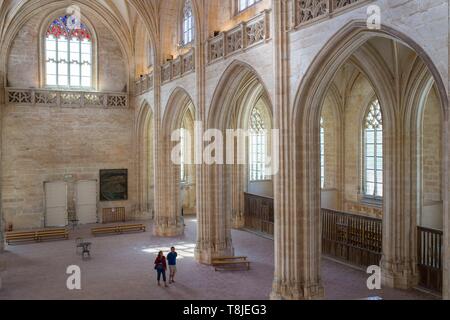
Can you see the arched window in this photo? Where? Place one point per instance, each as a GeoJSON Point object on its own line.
{"type": "Point", "coordinates": [188, 29]}
{"type": "Point", "coordinates": [68, 52]}
{"type": "Point", "coordinates": [373, 152]}
{"type": "Point", "coordinates": [244, 4]}
{"type": "Point", "coordinates": [258, 145]}
{"type": "Point", "coordinates": [322, 154]}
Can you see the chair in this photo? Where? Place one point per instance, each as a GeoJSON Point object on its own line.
{"type": "Point", "coordinates": [86, 250]}
{"type": "Point", "coordinates": [78, 243]}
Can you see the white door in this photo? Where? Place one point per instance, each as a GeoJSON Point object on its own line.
{"type": "Point", "coordinates": [86, 202]}
{"type": "Point", "coordinates": [56, 204]}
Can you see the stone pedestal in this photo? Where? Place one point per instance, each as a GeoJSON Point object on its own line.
{"type": "Point", "coordinates": [290, 290]}
{"type": "Point", "coordinates": [206, 251]}
{"type": "Point", "coordinates": [399, 275]}
{"type": "Point", "coordinates": [167, 227]}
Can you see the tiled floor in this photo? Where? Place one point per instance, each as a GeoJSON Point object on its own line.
{"type": "Point", "coordinates": [122, 268]}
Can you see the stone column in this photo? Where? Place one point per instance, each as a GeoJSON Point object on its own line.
{"type": "Point", "coordinates": [297, 229]}
{"type": "Point", "coordinates": [2, 105]}
{"type": "Point", "coordinates": [399, 261]}
{"type": "Point", "coordinates": [446, 180]}
{"type": "Point", "coordinates": [167, 220]}
{"type": "Point", "coordinates": [214, 227]}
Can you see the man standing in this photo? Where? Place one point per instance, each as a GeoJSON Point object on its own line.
{"type": "Point", "coordinates": [172, 260]}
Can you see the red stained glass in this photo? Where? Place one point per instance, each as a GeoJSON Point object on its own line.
{"type": "Point", "coordinates": [68, 27]}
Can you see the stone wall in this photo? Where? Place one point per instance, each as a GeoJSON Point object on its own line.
{"type": "Point", "coordinates": [46, 144]}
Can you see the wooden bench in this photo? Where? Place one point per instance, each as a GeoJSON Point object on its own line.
{"type": "Point", "coordinates": [119, 229]}
{"type": "Point", "coordinates": [231, 263]}
{"type": "Point", "coordinates": [38, 236]}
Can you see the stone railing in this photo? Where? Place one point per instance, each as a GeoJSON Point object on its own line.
{"type": "Point", "coordinates": [144, 84]}
{"type": "Point", "coordinates": [243, 36]}
{"type": "Point", "coordinates": [309, 11]}
{"type": "Point", "coordinates": [178, 67]}
{"type": "Point", "coordinates": [66, 99]}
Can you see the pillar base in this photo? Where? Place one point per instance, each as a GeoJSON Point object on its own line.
{"type": "Point", "coordinates": [164, 227]}
{"type": "Point", "coordinates": [205, 253]}
{"type": "Point", "coordinates": [283, 290]}
{"type": "Point", "coordinates": [399, 275]}
{"type": "Point", "coordinates": [238, 221]}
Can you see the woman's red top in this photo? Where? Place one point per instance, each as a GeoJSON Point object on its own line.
{"type": "Point", "coordinates": [161, 261]}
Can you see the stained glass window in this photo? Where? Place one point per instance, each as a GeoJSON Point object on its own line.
{"type": "Point", "coordinates": [188, 23]}
{"type": "Point", "coordinates": [258, 145]}
{"type": "Point", "coordinates": [68, 47]}
{"type": "Point", "coordinates": [244, 4]}
{"type": "Point", "coordinates": [373, 151]}
{"type": "Point", "coordinates": [322, 154]}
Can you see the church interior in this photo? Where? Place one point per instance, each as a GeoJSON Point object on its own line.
{"type": "Point", "coordinates": [287, 149]}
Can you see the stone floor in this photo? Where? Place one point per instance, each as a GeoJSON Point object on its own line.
{"type": "Point", "coordinates": [122, 268]}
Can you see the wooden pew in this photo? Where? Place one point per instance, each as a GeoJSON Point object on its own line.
{"type": "Point", "coordinates": [37, 235]}
{"type": "Point", "coordinates": [119, 229]}
{"type": "Point", "coordinates": [230, 263]}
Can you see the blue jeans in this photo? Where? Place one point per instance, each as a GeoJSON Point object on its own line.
{"type": "Point", "coordinates": [161, 272]}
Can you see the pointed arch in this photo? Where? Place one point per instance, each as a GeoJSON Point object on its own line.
{"type": "Point", "coordinates": [398, 228]}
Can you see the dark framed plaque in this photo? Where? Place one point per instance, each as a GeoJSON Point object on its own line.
{"type": "Point", "coordinates": [114, 185]}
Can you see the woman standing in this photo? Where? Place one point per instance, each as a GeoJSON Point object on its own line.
{"type": "Point", "coordinates": [161, 267]}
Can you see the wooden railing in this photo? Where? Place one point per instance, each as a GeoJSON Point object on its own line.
{"type": "Point", "coordinates": [354, 239]}
{"type": "Point", "coordinates": [430, 258]}
{"type": "Point", "coordinates": [259, 214]}
{"type": "Point", "coordinates": [66, 99]}
{"type": "Point", "coordinates": [111, 215]}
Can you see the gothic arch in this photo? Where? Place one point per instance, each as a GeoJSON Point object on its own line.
{"type": "Point", "coordinates": [31, 8]}
{"type": "Point", "coordinates": [237, 76]}
{"type": "Point", "coordinates": [398, 250]}
{"type": "Point", "coordinates": [238, 87]}
{"type": "Point", "coordinates": [145, 153]}
{"type": "Point", "coordinates": [179, 102]}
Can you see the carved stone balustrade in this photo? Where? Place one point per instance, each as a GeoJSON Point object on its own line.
{"type": "Point", "coordinates": [243, 36]}
{"type": "Point", "coordinates": [66, 99]}
{"type": "Point", "coordinates": [179, 67]}
{"type": "Point", "coordinates": [309, 11]}
{"type": "Point", "coordinates": [144, 84]}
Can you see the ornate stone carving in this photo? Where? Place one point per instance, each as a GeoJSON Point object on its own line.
{"type": "Point", "coordinates": [240, 37]}
{"type": "Point", "coordinates": [311, 10]}
{"type": "Point", "coordinates": [188, 62]}
{"type": "Point", "coordinates": [176, 68]}
{"type": "Point", "coordinates": [307, 10]}
{"type": "Point", "coordinates": [256, 32]}
{"type": "Point", "coordinates": [94, 99]}
{"type": "Point", "coordinates": [216, 48]}
{"type": "Point", "coordinates": [339, 4]}
{"type": "Point", "coordinates": [234, 41]}
{"type": "Point", "coordinates": [117, 101]}
{"type": "Point", "coordinates": [46, 98]}
{"type": "Point", "coordinates": [71, 99]}
{"type": "Point", "coordinates": [19, 97]}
